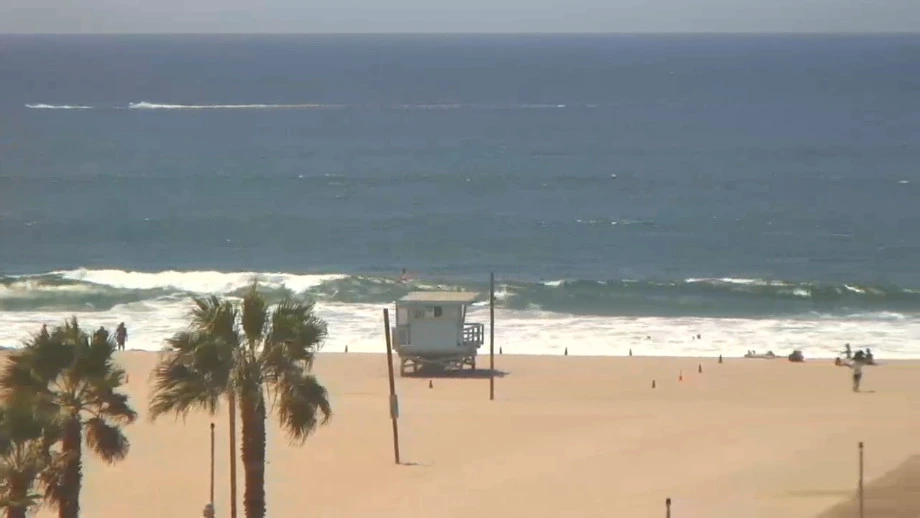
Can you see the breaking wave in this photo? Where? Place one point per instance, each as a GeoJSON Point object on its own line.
{"type": "Point", "coordinates": [146, 105]}
{"type": "Point", "coordinates": [58, 107]}
{"type": "Point", "coordinates": [100, 290]}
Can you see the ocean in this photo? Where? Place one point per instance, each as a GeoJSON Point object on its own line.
{"type": "Point", "coordinates": [629, 192]}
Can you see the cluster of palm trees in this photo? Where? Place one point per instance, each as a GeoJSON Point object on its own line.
{"type": "Point", "coordinates": [62, 390]}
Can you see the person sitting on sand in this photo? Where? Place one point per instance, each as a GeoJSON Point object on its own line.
{"type": "Point", "coordinates": [796, 356]}
{"type": "Point", "coordinates": [870, 360]}
{"type": "Point", "coordinates": [121, 334]}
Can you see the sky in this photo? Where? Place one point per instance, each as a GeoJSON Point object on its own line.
{"type": "Point", "coordinates": [457, 16]}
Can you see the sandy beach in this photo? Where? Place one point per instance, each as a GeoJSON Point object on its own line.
{"type": "Point", "coordinates": [566, 436]}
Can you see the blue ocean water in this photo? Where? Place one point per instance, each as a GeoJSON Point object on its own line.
{"type": "Point", "coordinates": [724, 178]}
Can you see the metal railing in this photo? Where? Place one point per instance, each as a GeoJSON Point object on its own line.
{"type": "Point", "coordinates": [474, 334]}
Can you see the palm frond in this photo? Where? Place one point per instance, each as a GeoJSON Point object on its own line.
{"type": "Point", "coordinates": [254, 315]}
{"type": "Point", "coordinates": [302, 404]}
{"type": "Point", "coordinates": [51, 479]}
{"type": "Point", "coordinates": [296, 335]}
{"type": "Point", "coordinates": [113, 405]}
{"type": "Point", "coordinates": [195, 374]}
{"type": "Point", "coordinates": [215, 317]}
{"type": "Point", "coordinates": [17, 375]}
{"type": "Point", "coordinates": [106, 439]}
{"type": "Point", "coordinates": [27, 431]}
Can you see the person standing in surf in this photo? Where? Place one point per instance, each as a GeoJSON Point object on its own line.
{"type": "Point", "coordinates": [121, 335]}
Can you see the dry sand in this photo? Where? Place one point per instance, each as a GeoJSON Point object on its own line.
{"type": "Point", "coordinates": [566, 436]}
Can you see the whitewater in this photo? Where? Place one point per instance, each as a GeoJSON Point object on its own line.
{"type": "Point", "coordinates": [154, 305]}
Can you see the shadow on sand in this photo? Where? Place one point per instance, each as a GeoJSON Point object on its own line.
{"type": "Point", "coordinates": [478, 374]}
{"type": "Point", "coordinates": [895, 494]}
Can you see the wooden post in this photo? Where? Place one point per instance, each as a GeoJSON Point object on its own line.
{"type": "Point", "coordinates": [394, 401]}
{"type": "Point", "coordinates": [667, 508]}
{"type": "Point", "coordinates": [862, 502]}
{"type": "Point", "coordinates": [211, 492]}
{"type": "Point", "coordinates": [491, 336]}
{"type": "Point", "coordinates": [232, 405]}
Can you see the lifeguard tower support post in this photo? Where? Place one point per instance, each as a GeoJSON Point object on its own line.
{"type": "Point", "coordinates": [431, 331]}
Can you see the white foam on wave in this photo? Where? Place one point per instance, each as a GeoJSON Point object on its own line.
{"type": "Point", "coordinates": [147, 105]}
{"type": "Point", "coordinates": [357, 326]}
{"type": "Point", "coordinates": [41, 106]}
{"type": "Point", "coordinates": [203, 282]}
{"type": "Point", "coordinates": [732, 280]}
{"type": "Point", "coordinates": [144, 105]}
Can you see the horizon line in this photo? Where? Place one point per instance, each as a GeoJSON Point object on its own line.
{"type": "Point", "coordinates": [482, 33]}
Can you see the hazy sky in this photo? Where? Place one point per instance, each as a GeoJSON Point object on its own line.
{"type": "Point", "coordinates": [378, 16]}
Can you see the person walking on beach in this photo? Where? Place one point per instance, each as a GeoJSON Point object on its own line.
{"type": "Point", "coordinates": [857, 367]}
{"type": "Point", "coordinates": [121, 334]}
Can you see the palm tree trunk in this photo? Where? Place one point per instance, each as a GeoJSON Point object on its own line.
{"type": "Point", "coordinates": [72, 479]}
{"type": "Point", "coordinates": [232, 404]}
{"type": "Point", "coordinates": [16, 512]}
{"type": "Point", "coordinates": [18, 495]}
{"type": "Point", "coordinates": [253, 414]}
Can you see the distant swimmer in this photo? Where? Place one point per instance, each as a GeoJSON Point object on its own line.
{"type": "Point", "coordinates": [121, 335]}
{"type": "Point", "coordinates": [404, 277]}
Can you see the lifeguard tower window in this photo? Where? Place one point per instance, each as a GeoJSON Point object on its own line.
{"type": "Point", "coordinates": [438, 311]}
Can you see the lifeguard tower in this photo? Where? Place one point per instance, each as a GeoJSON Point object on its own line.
{"type": "Point", "coordinates": [431, 331]}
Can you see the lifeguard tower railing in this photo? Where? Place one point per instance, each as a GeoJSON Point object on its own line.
{"type": "Point", "coordinates": [474, 334]}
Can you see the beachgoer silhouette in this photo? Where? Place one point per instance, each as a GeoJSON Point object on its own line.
{"type": "Point", "coordinates": [121, 334]}
{"type": "Point", "coordinates": [857, 367]}
{"type": "Point", "coordinates": [848, 352]}
{"type": "Point", "coordinates": [44, 331]}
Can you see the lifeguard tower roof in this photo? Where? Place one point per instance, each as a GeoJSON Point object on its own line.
{"type": "Point", "coordinates": [462, 297]}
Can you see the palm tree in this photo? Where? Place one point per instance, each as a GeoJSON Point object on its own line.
{"type": "Point", "coordinates": [27, 432]}
{"type": "Point", "coordinates": [249, 355]}
{"type": "Point", "coordinates": [75, 375]}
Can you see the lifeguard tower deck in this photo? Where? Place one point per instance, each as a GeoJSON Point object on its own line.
{"type": "Point", "coordinates": [431, 331]}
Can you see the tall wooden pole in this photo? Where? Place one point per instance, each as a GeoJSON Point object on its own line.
{"type": "Point", "coordinates": [492, 336]}
{"type": "Point", "coordinates": [394, 402]}
{"type": "Point", "coordinates": [862, 502]}
{"type": "Point", "coordinates": [232, 403]}
{"type": "Point", "coordinates": [211, 491]}
{"type": "Point", "coordinates": [667, 508]}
